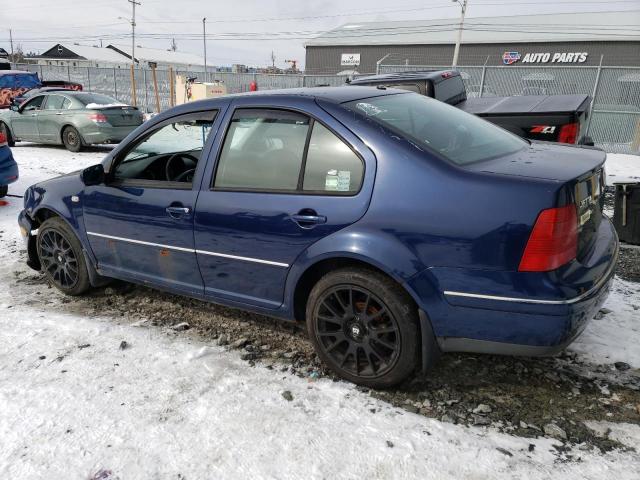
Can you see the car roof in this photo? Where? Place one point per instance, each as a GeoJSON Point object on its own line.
{"type": "Point", "coordinates": [330, 94]}
{"type": "Point", "coordinates": [16, 72]}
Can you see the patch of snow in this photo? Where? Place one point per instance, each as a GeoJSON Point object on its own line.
{"type": "Point", "coordinates": [627, 434]}
{"type": "Point", "coordinates": [622, 168]}
{"type": "Point", "coordinates": [614, 337]}
{"type": "Point", "coordinates": [98, 106]}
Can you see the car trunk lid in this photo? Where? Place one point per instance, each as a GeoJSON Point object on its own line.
{"type": "Point", "coordinates": [120, 115]}
{"type": "Point", "coordinates": [546, 161]}
{"type": "Point", "coordinates": [578, 173]}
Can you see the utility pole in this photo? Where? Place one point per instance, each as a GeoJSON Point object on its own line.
{"type": "Point", "coordinates": [456, 52]}
{"type": "Point", "coordinates": [11, 41]}
{"type": "Point", "coordinates": [134, 100]}
{"type": "Point", "coordinates": [133, 32]}
{"type": "Point", "coordinates": [204, 41]}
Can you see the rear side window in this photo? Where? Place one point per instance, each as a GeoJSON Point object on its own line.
{"type": "Point", "coordinates": [54, 102]}
{"type": "Point", "coordinates": [331, 165]}
{"type": "Point", "coordinates": [277, 150]}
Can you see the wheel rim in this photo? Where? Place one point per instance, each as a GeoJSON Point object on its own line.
{"type": "Point", "coordinates": [357, 331]}
{"type": "Point", "coordinates": [58, 259]}
{"type": "Point", "coordinates": [72, 138]}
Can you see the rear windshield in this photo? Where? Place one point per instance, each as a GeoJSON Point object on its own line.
{"type": "Point", "coordinates": [460, 137]}
{"type": "Point", "coordinates": [96, 98]}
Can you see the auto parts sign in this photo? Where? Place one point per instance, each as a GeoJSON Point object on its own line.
{"type": "Point", "coordinates": [509, 58]}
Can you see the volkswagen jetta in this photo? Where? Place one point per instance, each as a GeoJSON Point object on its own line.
{"type": "Point", "coordinates": [394, 225]}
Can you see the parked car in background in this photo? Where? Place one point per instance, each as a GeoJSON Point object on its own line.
{"type": "Point", "coordinates": [14, 83]}
{"type": "Point", "coordinates": [536, 116]}
{"type": "Point", "coordinates": [394, 225]}
{"type": "Point", "coordinates": [72, 119]}
{"type": "Point", "coordinates": [8, 166]}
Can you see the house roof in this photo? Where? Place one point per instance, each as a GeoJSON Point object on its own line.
{"type": "Point", "coordinates": [158, 55]}
{"type": "Point", "coordinates": [557, 27]}
{"type": "Point", "coordinates": [86, 52]}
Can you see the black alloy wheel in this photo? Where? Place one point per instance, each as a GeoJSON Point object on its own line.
{"type": "Point", "coordinates": [61, 257]}
{"type": "Point", "coordinates": [58, 259]}
{"type": "Point", "coordinates": [364, 326]}
{"type": "Point", "coordinates": [357, 331]}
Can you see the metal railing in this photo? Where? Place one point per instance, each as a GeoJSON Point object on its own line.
{"type": "Point", "coordinates": [614, 121]}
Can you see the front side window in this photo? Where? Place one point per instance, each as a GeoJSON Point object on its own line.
{"type": "Point", "coordinates": [458, 136]}
{"type": "Point", "coordinates": [34, 104]}
{"type": "Point", "coordinates": [169, 153]}
{"type": "Point", "coordinates": [263, 150]}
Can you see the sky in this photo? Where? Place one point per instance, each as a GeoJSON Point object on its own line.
{"type": "Point", "coordinates": [243, 31]}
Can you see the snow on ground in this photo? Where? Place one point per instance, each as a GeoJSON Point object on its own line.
{"type": "Point", "coordinates": [614, 337]}
{"type": "Point", "coordinates": [72, 403]}
{"type": "Point", "coordinates": [622, 168]}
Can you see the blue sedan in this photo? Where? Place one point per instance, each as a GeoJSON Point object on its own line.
{"type": "Point", "coordinates": [395, 226]}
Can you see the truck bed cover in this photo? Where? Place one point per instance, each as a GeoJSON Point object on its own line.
{"type": "Point", "coordinates": [522, 105]}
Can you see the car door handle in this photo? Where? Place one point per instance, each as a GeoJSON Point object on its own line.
{"type": "Point", "coordinates": [58, 113]}
{"type": "Point", "coordinates": [176, 212]}
{"type": "Point", "coordinates": [308, 220]}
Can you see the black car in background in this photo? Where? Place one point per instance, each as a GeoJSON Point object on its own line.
{"type": "Point", "coordinates": [552, 118]}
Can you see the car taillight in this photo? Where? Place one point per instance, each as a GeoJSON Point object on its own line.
{"type": "Point", "coordinates": [3, 139]}
{"type": "Point", "coordinates": [553, 241]}
{"type": "Point", "coordinates": [98, 117]}
{"type": "Point", "coordinates": [569, 133]}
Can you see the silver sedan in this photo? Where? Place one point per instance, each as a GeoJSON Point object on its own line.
{"type": "Point", "coordinates": [72, 119]}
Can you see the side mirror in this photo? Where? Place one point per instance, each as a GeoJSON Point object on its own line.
{"type": "Point", "coordinates": [93, 175]}
{"type": "Point", "coordinates": [14, 107]}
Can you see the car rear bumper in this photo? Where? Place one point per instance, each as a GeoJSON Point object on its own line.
{"type": "Point", "coordinates": [106, 134]}
{"type": "Point", "coordinates": [518, 313]}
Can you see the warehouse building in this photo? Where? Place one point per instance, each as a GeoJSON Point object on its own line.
{"type": "Point", "coordinates": [568, 39]}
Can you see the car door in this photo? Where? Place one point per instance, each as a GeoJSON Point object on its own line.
{"type": "Point", "coordinates": [51, 118]}
{"type": "Point", "coordinates": [24, 122]}
{"type": "Point", "coordinates": [283, 180]}
{"type": "Point", "coordinates": [140, 222]}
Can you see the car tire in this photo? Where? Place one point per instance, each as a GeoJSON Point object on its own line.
{"type": "Point", "coordinates": [4, 129]}
{"type": "Point", "coordinates": [4, 189]}
{"type": "Point", "coordinates": [62, 257]}
{"type": "Point", "coordinates": [72, 139]}
{"type": "Point", "coordinates": [364, 326]}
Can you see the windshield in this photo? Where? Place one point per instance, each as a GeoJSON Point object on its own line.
{"type": "Point", "coordinates": [460, 137]}
{"type": "Point", "coordinates": [96, 98]}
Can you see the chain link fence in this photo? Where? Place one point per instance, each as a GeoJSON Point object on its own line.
{"type": "Point", "coordinates": [614, 123]}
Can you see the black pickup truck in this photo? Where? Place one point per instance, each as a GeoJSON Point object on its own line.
{"type": "Point", "coordinates": [552, 118]}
